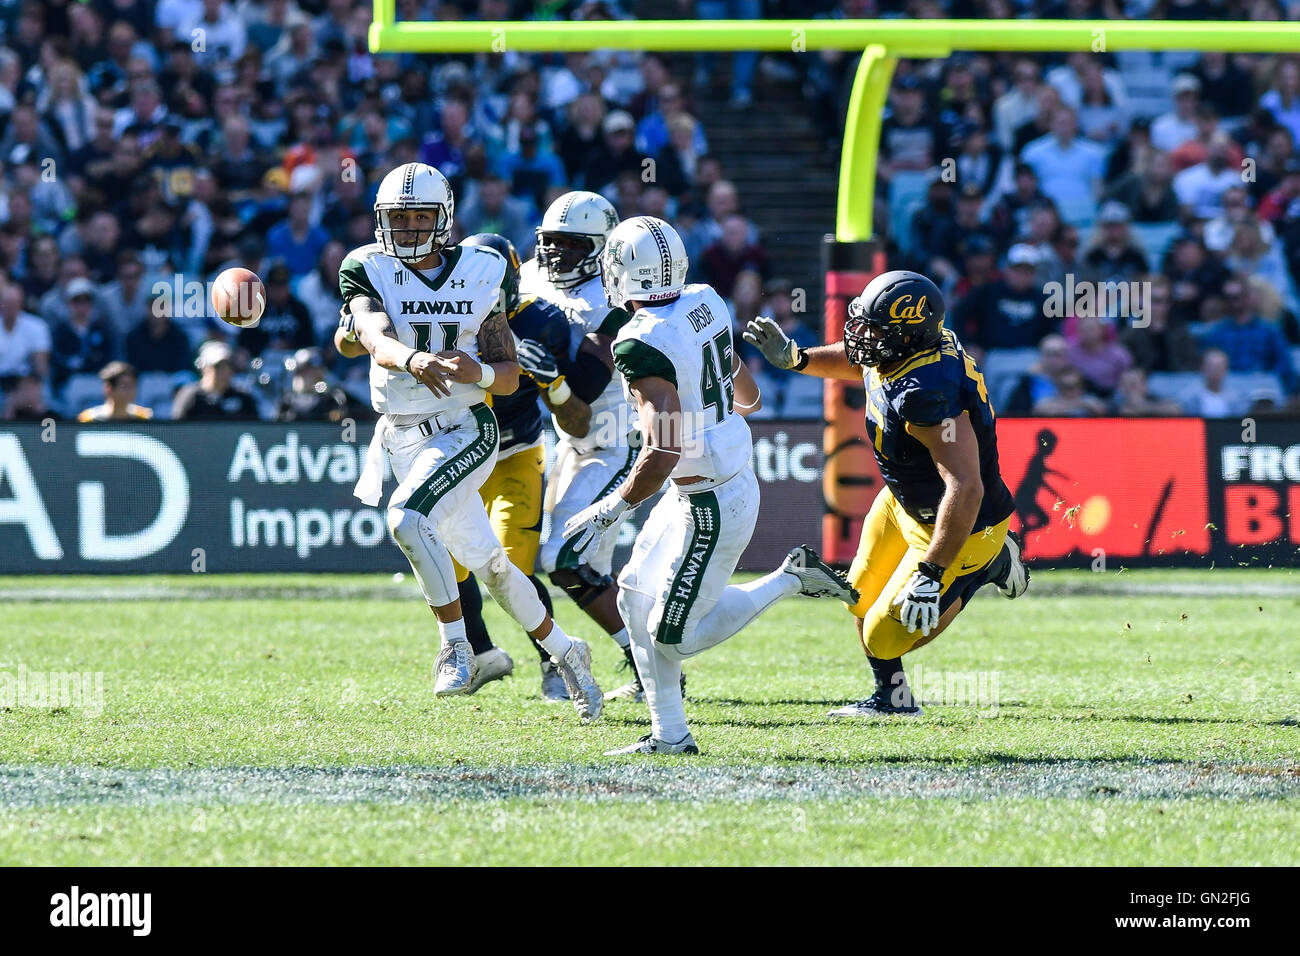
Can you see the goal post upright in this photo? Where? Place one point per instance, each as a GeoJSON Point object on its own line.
{"type": "Point", "coordinates": [851, 255]}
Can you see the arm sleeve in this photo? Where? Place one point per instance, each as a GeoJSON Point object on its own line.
{"type": "Point", "coordinates": [587, 376]}
{"type": "Point", "coordinates": [354, 281]}
{"type": "Point", "coordinates": [637, 359]}
{"type": "Point", "coordinates": [928, 406]}
{"type": "Point", "coordinates": [615, 320]}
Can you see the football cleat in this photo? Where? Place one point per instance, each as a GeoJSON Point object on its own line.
{"type": "Point", "coordinates": [633, 690]}
{"type": "Point", "coordinates": [1013, 581]}
{"type": "Point", "coordinates": [816, 577]}
{"type": "Point", "coordinates": [583, 690]}
{"type": "Point", "coordinates": [876, 706]}
{"type": "Point", "coordinates": [653, 745]}
{"type": "Point", "coordinates": [493, 664]}
{"type": "Point", "coordinates": [553, 689]}
{"type": "Point", "coordinates": [454, 669]}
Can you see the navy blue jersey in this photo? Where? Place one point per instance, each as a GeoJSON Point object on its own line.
{"type": "Point", "coordinates": [931, 386]}
{"type": "Point", "coordinates": [519, 414]}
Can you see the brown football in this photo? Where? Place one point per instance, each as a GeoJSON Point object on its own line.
{"type": "Point", "coordinates": [238, 297]}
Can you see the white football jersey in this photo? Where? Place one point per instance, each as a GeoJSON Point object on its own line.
{"type": "Point", "coordinates": [688, 342]}
{"type": "Point", "coordinates": [588, 311]}
{"type": "Point", "coordinates": [434, 312]}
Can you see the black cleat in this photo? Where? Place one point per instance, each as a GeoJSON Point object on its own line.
{"type": "Point", "coordinates": [876, 706]}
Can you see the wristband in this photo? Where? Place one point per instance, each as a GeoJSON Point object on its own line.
{"type": "Point", "coordinates": [931, 570]}
{"type": "Point", "coordinates": [560, 392]}
{"type": "Point", "coordinates": [488, 377]}
{"type": "Point", "coordinates": [407, 364]}
{"type": "Point", "coordinates": [802, 364]}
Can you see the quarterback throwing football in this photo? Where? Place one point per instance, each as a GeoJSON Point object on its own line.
{"type": "Point", "coordinates": [432, 317]}
{"type": "Point", "coordinates": [939, 530]}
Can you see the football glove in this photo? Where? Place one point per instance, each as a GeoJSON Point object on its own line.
{"type": "Point", "coordinates": [920, 599]}
{"type": "Point", "coordinates": [540, 365]}
{"type": "Point", "coordinates": [778, 348]}
{"type": "Point", "coordinates": [584, 529]}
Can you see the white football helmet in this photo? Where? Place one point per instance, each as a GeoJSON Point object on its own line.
{"type": "Point", "coordinates": [644, 260]}
{"type": "Point", "coordinates": [414, 186]}
{"type": "Point", "coordinates": [572, 236]}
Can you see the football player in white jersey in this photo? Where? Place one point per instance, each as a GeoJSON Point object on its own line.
{"type": "Point", "coordinates": [692, 393]}
{"type": "Point", "coordinates": [566, 273]}
{"type": "Point", "coordinates": [432, 319]}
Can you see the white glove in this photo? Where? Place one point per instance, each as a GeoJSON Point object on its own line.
{"type": "Point", "coordinates": [920, 599]}
{"type": "Point", "coordinates": [778, 348]}
{"type": "Point", "coordinates": [347, 324]}
{"type": "Point", "coordinates": [584, 529]}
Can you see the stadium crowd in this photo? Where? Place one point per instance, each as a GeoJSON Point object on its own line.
{"type": "Point", "coordinates": [146, 146]}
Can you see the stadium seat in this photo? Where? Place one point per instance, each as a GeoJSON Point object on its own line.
{"type": "Point", "coordinates": [155, 390]}
{"type": "Point", "coordinates": [804, 399]}
{"type": "Point", "coordinates": [81, 392]}
{"type": "Point", "coordinates": [1155, 238]}
{"type": "Point", "coordinates": [907, 191]}
{"type": "Point", "coordinates": [1002, 370]}
{"type": "Point", "coordinates": [1172, 385]}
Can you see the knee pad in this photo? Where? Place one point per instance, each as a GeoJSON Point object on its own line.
{"type": "Point", "coordinates": [581, 584]}
{"type": "Point", "coordinates": [512, 590]}
{"type": "Point", "coordinates": [404, 524]}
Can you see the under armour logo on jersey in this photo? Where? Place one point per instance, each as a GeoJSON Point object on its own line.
{"type": "Point", "coordinates": [456, 284]}
{"type": "Point", "coordinates": [399, 277]}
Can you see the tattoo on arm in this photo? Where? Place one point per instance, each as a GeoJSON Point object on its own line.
{"type": "Point", "coordinates": [496, 343]}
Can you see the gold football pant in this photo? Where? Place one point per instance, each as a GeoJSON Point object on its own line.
{"type": "Point", "coordinates": [512, 496]}
{"type": "Point", "coordinates": [893, 543]}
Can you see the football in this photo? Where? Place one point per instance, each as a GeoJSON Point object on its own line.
{"type": "Point", "coordinates": [238, 298]}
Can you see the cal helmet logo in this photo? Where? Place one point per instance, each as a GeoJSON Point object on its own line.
{"type": "Point", "coordinates": [911, 314]}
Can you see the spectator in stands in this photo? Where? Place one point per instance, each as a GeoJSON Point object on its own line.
{"type": "Point", "coordinates": [297, 241]}
{"type": "Point", "coordinates": [1010, 214]}
{"type": "Point", "coordinates": [1069, 168]}
{"type": "Point", "coordinates": [1162, 344]}
{"type": "Point", "coordinates": [1225, 84]}
{"type": "Point", "coordinates": [1212, 398]}
{"type": "Point", "coordinates": [286, 324]}
{"type": "Point", "coordinates": [119, 380]}
{"type": "Point", "coordinates": [319, 290]}
{"type": "Point", "coordinates": [24, 339]}
{"type": "Point", "coordinates": [1283, 98]}
{"type": "Point", "coordinates": [582, 135]}
{"type": "Point", "coordinates": [1099, 359]}
{"type": "Point", "coordinates": [1019, 105]}
{"type": "Point", "coordinates": [944, 246]}
{"type": "Point", "coordinates": [1194, 275]}
{"type": "Point", "coordinates": [677, 161]}
{"type": "Point", "coordinates": [1113, 255]}
{"type": "Point", "coordinates": [1132, 399]}
{"type": "Point", "coordinates": [126, 298]}
{"type": "Point", "coordinates": [1200, 188]}
{"type": "Point", "coordinates": [28, 139]}
{"type": "Point", "coordinates": [1146, 190]}
{"type": "Point", "coordinates": [731, 254]}
{"type": "Point", "coordinates": [25, 401]}
{"type": "Point", "coordinates": [617, 154]}
{"type": "Point", "coordinates": [531, 170]}
{"type": "Point", "coordinates": [157, 344]}
{"type": "Point", "coordinates": [743, 63]}
{"type": "Point", "coordinates": [1103, 111]}
{"type": "Point", "coordinates": [909, 139]}
{"type": "Point", "coordinates": [1049, 104]}
{"type": "Point", "coordinates": [653, 134]}
{"type": "Point", "coordinates": [1071, 399]}
{"type": "Point", "coordinates": [493, 209]}
{"type": "Point", "coordinates": [1007, 313]}
{"type": "Point", "coordinates": [1039, 381]}
{"type": "Point", "coordinates": [444, 149]}
{"type": "Point", "coordinates": [1281, 201]}
{"type": "Point", "coordinates": [779, 305]}
{"type": "Point", "coordinates": [1172, 129]}
{"type": "Point", "coordinates": [979, 265]}
{"type": "Point", "coordinates": [1196, 150]}
{"type": "Point", "coordinates": [1251, 344]}
{"type": "Point", "coordinates": [83, 342]}
{"type": "Point", "coordinates": [213, 397]}
{"type": "Point", "coordinates": [311, 398]}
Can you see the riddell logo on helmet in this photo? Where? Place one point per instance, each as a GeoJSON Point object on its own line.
{"type": "Point", "coordinates": [909, 313]}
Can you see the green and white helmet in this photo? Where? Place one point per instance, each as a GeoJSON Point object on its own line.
{"type": "Point", "coordinates": [644, 261]}
{"type": "Point", "coordinates": [414, 186]}
{"type": "Point", "coordinates": [572, 236]}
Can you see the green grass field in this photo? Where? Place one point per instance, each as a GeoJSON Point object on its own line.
{"type": "Point", "coordinates": [1131, 718]}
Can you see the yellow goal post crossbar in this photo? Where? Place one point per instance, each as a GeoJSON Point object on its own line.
{"type": "Point", "coordinates": [883, 42]}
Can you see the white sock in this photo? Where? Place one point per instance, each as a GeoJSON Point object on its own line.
{"type": "Point", "coordinates": [660, 676]}
{"type": "Point", "coordinates": [622, 639]}
{"type": "Point", "coordinates": [556, 643]}
{"type": "Point", "coordinates": [452, 632]}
